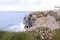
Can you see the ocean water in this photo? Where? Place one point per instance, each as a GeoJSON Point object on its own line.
{"type": "Point", "coordinates": [12, 21]}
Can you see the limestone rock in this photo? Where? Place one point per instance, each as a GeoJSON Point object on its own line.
{"type": "Point", "coordinates": [38, 19]}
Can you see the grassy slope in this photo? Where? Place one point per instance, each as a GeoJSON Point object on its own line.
{"type": "Point", "coordinates": [16, 36]}
{"type": "Point", "coordinates": [57, 36]}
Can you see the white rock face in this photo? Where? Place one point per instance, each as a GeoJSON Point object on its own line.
{"type": "Point", "coordinates": [42, 19]}
{"type": "Point", "coordinates": [51, 22]}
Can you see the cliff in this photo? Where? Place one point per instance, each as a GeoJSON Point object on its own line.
{"type": "Point", "coordinates": [41, 19]}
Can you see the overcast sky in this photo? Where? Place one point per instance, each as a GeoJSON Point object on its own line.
{"type": "Point", "coordinates": [27, 5]}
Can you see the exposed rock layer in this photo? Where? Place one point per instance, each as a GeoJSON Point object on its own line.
{"type": "Point", "coordinates": [38, 19]}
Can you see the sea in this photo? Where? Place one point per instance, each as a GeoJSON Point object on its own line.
{"type": "Point", "coordinates": [12, 21]}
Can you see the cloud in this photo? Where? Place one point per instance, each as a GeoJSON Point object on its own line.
{"type": "Point", "coordinates": [6, 0]}
{"type": "Point", "coordinates": [28, 1]}
{"type": "Point", "coordinates": [28, 5]}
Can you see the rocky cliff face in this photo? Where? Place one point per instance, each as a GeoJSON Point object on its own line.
{"type": "Point", "coordinates": [40, 19]}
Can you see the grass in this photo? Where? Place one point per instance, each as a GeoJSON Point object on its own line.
{"type": "Point", "coordinates": [25, 35]}
{"type": "Point", "coordinates": [57, 18]}
{"type": "Point", "coordinates": [16, 36]}
{"type": "Point", "coordinates": [57, 35]}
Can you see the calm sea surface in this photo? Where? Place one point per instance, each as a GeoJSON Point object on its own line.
{"type": "Point", "coordinates": [9, 20]}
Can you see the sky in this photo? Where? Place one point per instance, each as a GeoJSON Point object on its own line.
{"type": "Point", "coordinates": [28, 5]}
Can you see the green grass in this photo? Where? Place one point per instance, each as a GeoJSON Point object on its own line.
{"type": "Point", "coordinates": [16, 36]}
{"type": "Point", "coordinates": [57, 18]}
{"type": "Point", "coordinates": [57, 35]}
{"type": "Point", "coordinates": [25, 35]}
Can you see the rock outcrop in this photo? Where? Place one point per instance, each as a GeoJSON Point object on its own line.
{"type": "Point", "coordinates": [38, 19]}
{"type": "Point", "coordinates": [42, 23]}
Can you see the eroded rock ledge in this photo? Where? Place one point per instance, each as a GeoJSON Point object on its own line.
{"type": "Point", "coordinates": [42, 23]}
{"type": "Point", "coordinates": [38, 19]}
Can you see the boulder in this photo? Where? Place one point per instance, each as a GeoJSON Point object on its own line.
{"type": "Point", "coordinates": [40, 19]}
